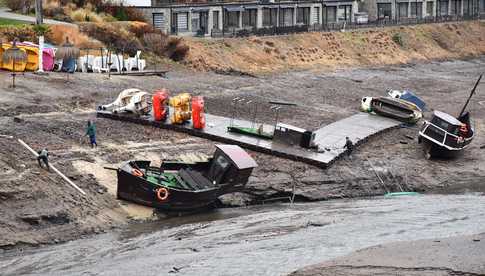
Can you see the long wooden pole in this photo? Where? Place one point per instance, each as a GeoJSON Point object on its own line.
{"type": "Point", "coordinates": [471, 94]}
{"type": "Point", "coordinates": [53, 168]}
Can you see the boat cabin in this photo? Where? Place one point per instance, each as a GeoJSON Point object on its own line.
{"type": "Point", "coordinates": [448, 131]}
{"type": "Point", "coordinates": [446, 122]}
{"type": "Point", "coordinates": [230, 165]}
{"type": "Point", "coordinates": [185, 186]}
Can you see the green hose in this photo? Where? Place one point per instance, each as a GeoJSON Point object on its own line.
{"type": "Point", "coordinates": [401, 194]}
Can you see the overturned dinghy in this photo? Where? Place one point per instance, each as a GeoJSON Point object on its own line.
{"type": "Point", "coordinates": [131, 100]}
{"type": "Point", "coordinates": [393, 108]}
{"type": "Point", "coordinates": [178, 186]}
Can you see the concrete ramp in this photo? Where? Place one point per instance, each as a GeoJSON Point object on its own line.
{"type": "Point", "coordinates": [357, 127]}
{"type": "Point", "coordinates": [330, 139]}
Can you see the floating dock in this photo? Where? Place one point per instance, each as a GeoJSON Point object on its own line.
{"type": "Point", "coordinates": [330, 138]}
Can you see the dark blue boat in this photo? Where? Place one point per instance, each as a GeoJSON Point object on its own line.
{"type": "Point", "coordinates": [408, 96]}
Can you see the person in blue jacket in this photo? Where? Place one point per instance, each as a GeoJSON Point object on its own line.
{"type": "Point", "coordinates": [91, 132]}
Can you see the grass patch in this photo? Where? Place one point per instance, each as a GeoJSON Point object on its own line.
{"type": "Point", "coordinates": [398, 39]}
{"type": "Point", "coordinates": [10, 22]}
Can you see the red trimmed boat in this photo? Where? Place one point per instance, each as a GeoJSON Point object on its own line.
{"type": "Point", "coordinates": [445, 135]}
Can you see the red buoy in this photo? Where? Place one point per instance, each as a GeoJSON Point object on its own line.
{"type": "Point", "coordinates": [160, 100]}
{"type": "Point", "coordinates": [198, 117]}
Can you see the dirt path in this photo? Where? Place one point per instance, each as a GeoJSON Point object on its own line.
{"type": "Point", "coordinates": [45, 111]}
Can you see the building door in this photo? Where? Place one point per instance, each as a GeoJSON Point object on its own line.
{"type": "Point", "coordinates": [215, 20]}
{"type": "Point", "coordinates": [204, 22]}
{"type": "Point", "coordinates": [402, 10]}
{"type": "Point", "coordinates": [331, 14]}
{"type": "Point", "coordinates": [429, 8]}
{"type": "Point", "coordinates": [286, 17]}
{"type": "Point", "coordinates": [316, 15]}
{"type": "Point", "coordinates": [443, 8]}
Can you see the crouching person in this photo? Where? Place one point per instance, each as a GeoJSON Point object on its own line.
{"type": "Point", "coordinates": [43, 158]}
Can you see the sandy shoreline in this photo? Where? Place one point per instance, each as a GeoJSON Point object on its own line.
{"type": "Point", "coordinates": [460, 255]}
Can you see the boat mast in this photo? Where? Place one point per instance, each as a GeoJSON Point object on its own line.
{"type": "Point", "coordinates": [471, 94]}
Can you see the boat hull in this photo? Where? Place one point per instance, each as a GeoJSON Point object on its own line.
{"type": "Point", "coordinates": [395, 109]}
{"type": "Point", "coordinates": [431, 149]}
{"type": "Point", "coordinates": [139, 190]}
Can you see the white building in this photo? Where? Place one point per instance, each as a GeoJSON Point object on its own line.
{"type": "Point", "coordinates": [205, 19]}
{"type": "Point", "coordinates": [136, 3]}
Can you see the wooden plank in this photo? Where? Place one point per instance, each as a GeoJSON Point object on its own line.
{"type": "Point", "coordinates": [53, 168]}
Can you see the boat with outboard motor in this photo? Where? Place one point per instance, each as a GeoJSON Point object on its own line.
{"type": "Point", "coordinates": [398, 109]}
{"type": "Point", "coordinates": [445, 135]}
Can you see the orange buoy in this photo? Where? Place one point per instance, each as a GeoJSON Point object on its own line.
{"type": "Point", "coordinates": [162, 194]}
{"type": "Point", "coordinates": [137, 173]}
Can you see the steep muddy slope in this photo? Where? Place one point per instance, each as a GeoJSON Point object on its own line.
{"type": "Point", "coordinates": [369, 47]}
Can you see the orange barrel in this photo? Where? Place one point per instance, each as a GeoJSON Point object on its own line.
{"type": "Point", "coordinates": [198, 117]}
{"type": "Point", "coordinates": [159, 100]}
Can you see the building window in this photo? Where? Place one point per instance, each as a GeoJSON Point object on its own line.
{"type": "Point", "coordinates": [316, 15]}
{"type": "Point", "coordinates": [384, 10]}
{"type": "Point", "coordinates": [270, 17]}
{"type": "Point", "coordinates": [455, 7]}
{"type": "Point", "coordinates": [181, 21]}
{"type": "Point", "coordinates": [331, 14]}
{"type": "Point", "coordinates": [215, 20]}
{"type": "Point", "coordinates": [429, 8]}
{"type": "Point", "coordinates": [249, 17]}
{"type": "Point", "coordinates": [482, 6]}
{"type": "Point", "coordinates": [344, 13]}
{"type": "Point", "coordinates": [416, 9]}
{"type": "Point", "coordinates": [159, 22]}
{"type": "Point", "coordinates": [402, 10]}
{"type": "Point", "coordinates": [286, 17]}
{"type": "Point", "coordinates": [232, 19]}
{"type": "Point", "coordinates": [443, 8]}
{"type": "Point", "coordinates": [303, 16]}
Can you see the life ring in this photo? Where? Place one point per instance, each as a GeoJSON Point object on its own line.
{"type": "Point", "coordinates": [137, 172]}
{"type": "Point", "coordinates": [162, 194]}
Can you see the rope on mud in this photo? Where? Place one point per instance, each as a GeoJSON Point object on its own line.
{"type": "Point", "coordinates": [380, 179]}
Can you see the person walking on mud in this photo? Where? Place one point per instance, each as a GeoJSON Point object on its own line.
{"type": "Point", "coordinates": [349, 146]}
{"type": "Point", "coordinates": [91, 132]}
{"type": "Point", "coordinates": [44, 157]}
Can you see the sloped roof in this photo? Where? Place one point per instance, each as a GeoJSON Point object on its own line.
{"type": "Point", "coordinates": [239, 157]}
{"type": "Point", "coordinates": [447, 117]}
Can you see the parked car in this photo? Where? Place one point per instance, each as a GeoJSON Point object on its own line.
{"type": "Point", "coordinates": [361, 18]}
